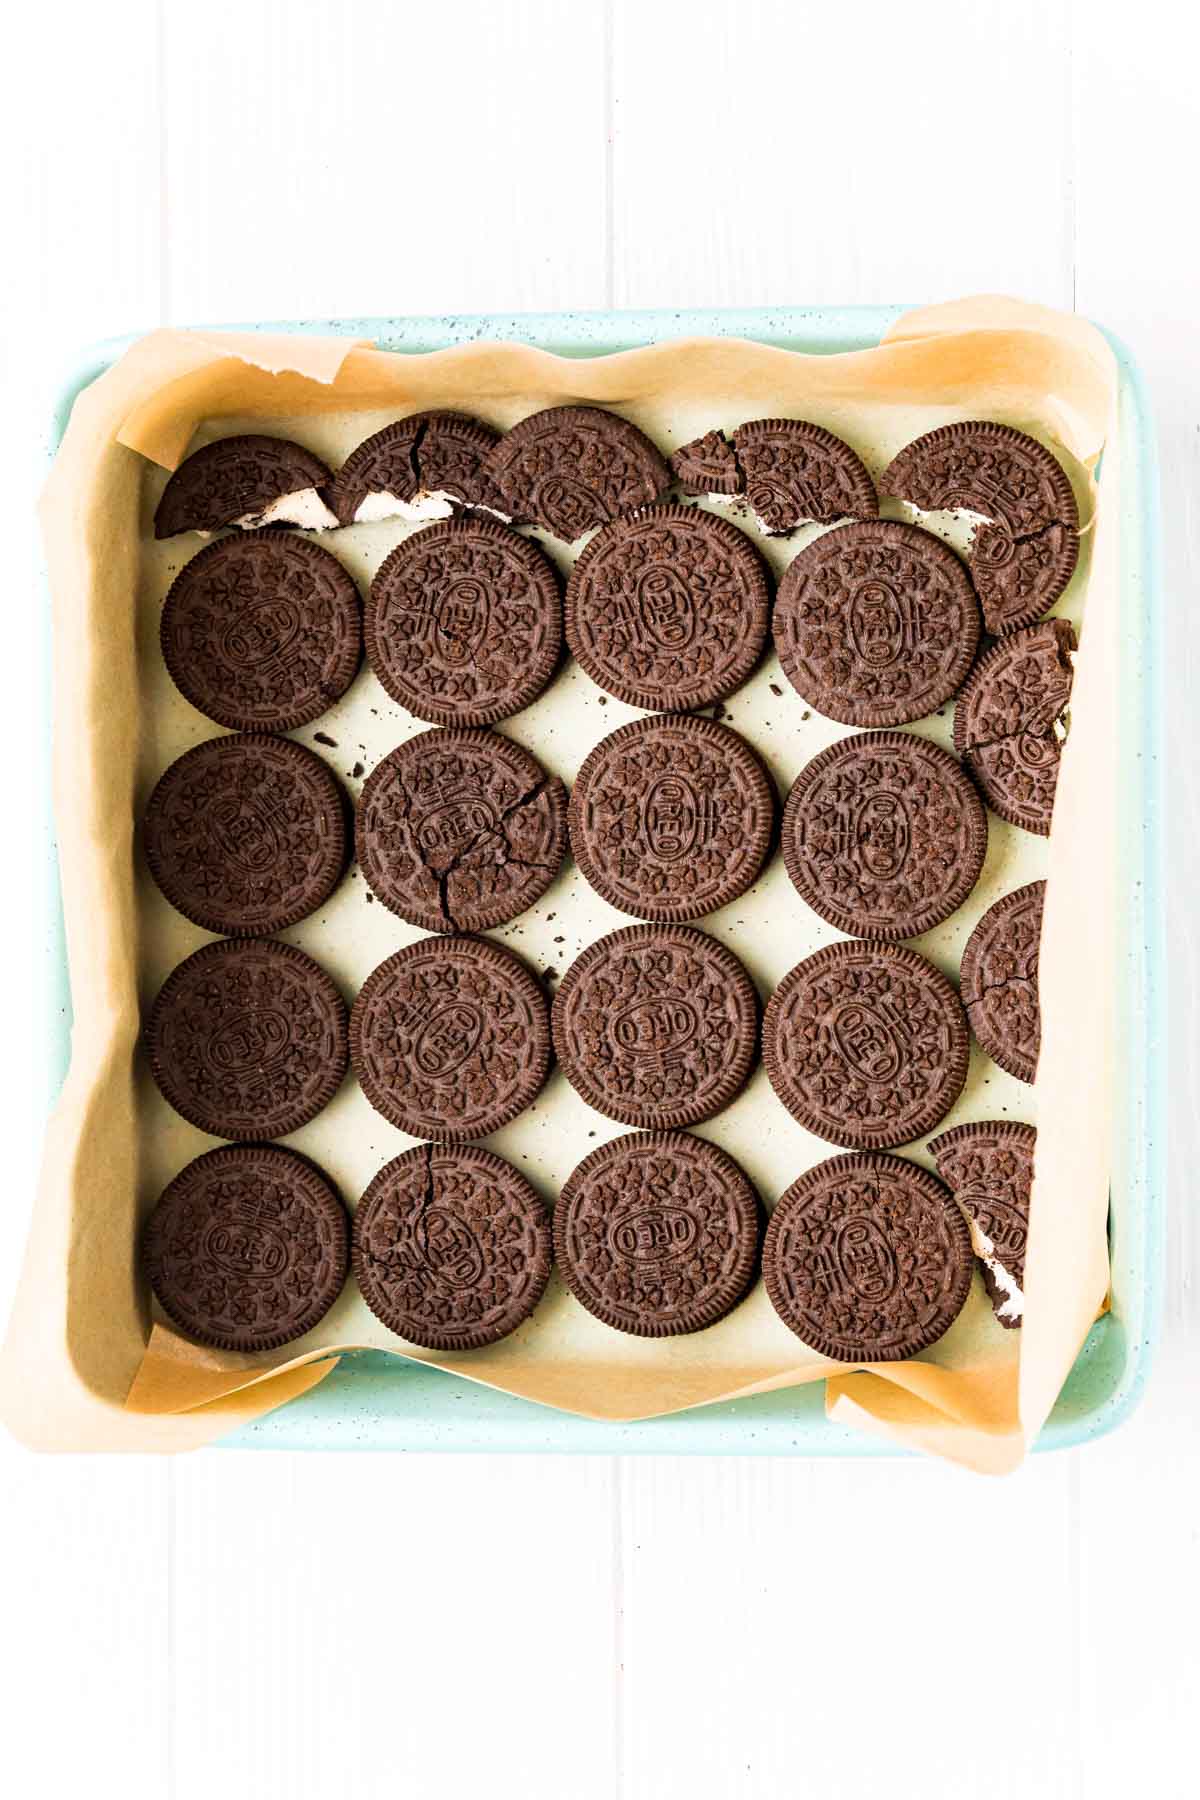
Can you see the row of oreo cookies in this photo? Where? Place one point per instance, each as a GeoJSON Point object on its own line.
{"type": "Point", "coordinates": [655, 1026]}
{"type": "Point", "coordinates": [866, 1258]}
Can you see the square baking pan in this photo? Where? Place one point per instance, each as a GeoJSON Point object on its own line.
{"type": "Point", "coordinates": [376, 1401]}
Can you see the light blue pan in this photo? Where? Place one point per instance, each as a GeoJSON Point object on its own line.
{"type": "Point", "coordinates": [378, 1402]}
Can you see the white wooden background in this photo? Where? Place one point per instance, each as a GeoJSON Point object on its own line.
{"type": "Point", "coordinates": [299, 1626]}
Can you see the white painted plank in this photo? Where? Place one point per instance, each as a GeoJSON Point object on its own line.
{"type": "Point", "coordinates": [328, 160]}
{"type": "Point", "coordinates": [771, 153]}
{"type": "Point", "coordinates": [83, 1541]}
{"type": "Point", "coordinates": [390, 1625]}
{"type": "Point", "coordinates": [846, 1630]}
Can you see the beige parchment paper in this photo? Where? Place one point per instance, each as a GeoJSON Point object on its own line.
{"type": "Point", "coordinates": [87, 1365]}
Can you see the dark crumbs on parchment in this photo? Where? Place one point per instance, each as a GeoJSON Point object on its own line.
{"type": "Point", "coordinates": [460, 830]}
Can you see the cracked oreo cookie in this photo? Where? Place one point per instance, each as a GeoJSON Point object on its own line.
{"type": "Point", "coordinates": [657, 1234]}
{"type": "Point", "coordinates": [668, 609]}
{"type": "Point", "coordinates": [464, 624]}
{"type": "Point", "coordinates": [999, 980]}
{"type": "Point", "coordinates": [867, 1259]}
{"type": "Point", "coordinates": [1007, 722]}
{"type": "Point", "coordinates": [460, 830]}
{"type": "Point", "coordinates": [876, 624]}
{"type": "Point", "coordinates": [450, 1038]}
{"type": "Point", "coordinates": [866, 1044]}
{"type": "Point", "coordinates": [421, 467]}
{"type": "Point", "coordinates": [247, 1039]}
{"type": "Point", "coordinates": [656, 1025]}
{"type": "Point", "coordinates": [262, 632]}
{"type": "Point", "coordinates": [989, 1168]}
{"type": "Point", "coordinates": [451, 1247]}
{"type": "Point", "coordinates": [572, 467]}
{"type": "Point", "coordinates": [246, 835]}
{"type": "Point", "coordinates": [671, 817]}
{"type": "Point", "coordinates": [245, 482]}
{"type": "Point", "coordinates": [1023, 558]}
{"type": "Point", "coordinates": [248, 1247]}
{"type": "Point", "coordinates": [789, 471]}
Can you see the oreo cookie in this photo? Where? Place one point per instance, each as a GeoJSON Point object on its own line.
{"type": "Point", "coordinates": [989, 1168]}
{"type": "Point", "coordinates": [790, 472]}
{"type": "Point", "coordinates": [876, 624]}
{"type": "Point", "coordinates": [657, 1234]}
{"type": "Point", "coordinates": [668, 609]}
{"type": "Point", "coordinates": [671, 817]}
{"type": "Point", "coordinates": [245, 482]}
{"type": "Point", "coordinates": [246, 835]}
{"type": "Point", "coordinates": [248, 1247]}
{"type": "Point", "coordinates": [884, 835]}
{"type": "Point", "coordinates": [572, 467]}
{"type": "Point", "coordinates": [464, 622]}
{"type": "Point", "coordinates": [423, 467]}
{"type": "Point", "coordinates": [247, 1039]}
{"type": "Point", "coordinates": [1007, 722]}
{"type": "Point", "coordinates": [866, 1044]}
{"type": "Point", "coordinates": [460, 830]}
{"type": "Point", "coordinates": [262, 631]}
{"type": "Point", "coordinates": [451, 1247]}
{"type": "Point", "coordinates": [656, 1025]}
{"type": "Point", "coordinates": [867, 1259]}
{"type": "Point", "coordinates": [1023, 558]}
{"type": "Point", "coordinates": [999, 980]}
{"type": "Point", "coordinates": [450, 1038]}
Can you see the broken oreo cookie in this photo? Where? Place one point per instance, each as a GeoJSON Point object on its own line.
{"type": "Point", "coordinates": [245, 482]}
{"type": "Point", "coordinates": [989, 1168]}
{"type": "Point", "coordinates": [421, 467]}
{"type": "Point", "coordinates": [1007, 721]}
{"type": "Point", "coordinates": [572, 467]}
{"type": "Point", "coordinates": [999, 980]}
{"type": "Point", "coordinates": [790, 472]}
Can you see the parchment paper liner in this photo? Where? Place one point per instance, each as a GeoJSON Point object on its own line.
{"type": "Point", "coordinates": [78, 1371]}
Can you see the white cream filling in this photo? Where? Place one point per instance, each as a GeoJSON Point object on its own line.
{"type": "Point", "coordinates": [304, 508]}
{"type": "Point", "coordinates": [429, 503]}
{"type": "Point", "coordinates": [1012, 1306]}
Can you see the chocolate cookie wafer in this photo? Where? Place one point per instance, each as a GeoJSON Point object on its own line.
{"type": "Point", "coordinates": [999, 980]}
{"type": "Point", "coordinates": [246, 482]}
{"type": "Point", "coordinates": [989, 1168]}
{"type": "Point", "coordinates": [572, 467]}
{"type": "Point", "coordinates": [1008, 718]}
{"type": "Point", "coordinates": [422, 467]}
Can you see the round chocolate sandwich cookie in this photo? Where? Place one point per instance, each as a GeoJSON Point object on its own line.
{"type": "Point", "coordinates": [246, 835]}
{"type": "Point", "coordinates": [451, 1247]}
{"type": "Point", "coordinates": [450, 1038]}
{"type": "Point", "coordinates": [866, 1044]}
{"type": "Point", "coordinates": [572, 467]}
{"type": "Point", "coordinates": [989, 1169]}
{"type": "Point", "coordinates": [422, 466]}
{"type": "Point", "coordinates": [247, 1039]}
{"type": "Point", "coordinates": [867, 1259]}
{"type": "Point", "coordinates": [999, 980]}
{"type": "Point", "coordinates": [262, 632]}
{"type": "Point", "coordinates": [1023, 559]}
{"type": "Point", "coordinates": [668, 609]}
{"type": "Point", "coordinates": [1006, 722]}
{"type": "Point", "coordinates": [876, 624]}
{"type": "Point", "coordinates": [656, 1025]}
{"type": "Point", "coordinates": [246, 482]}
{"type": "Point", "coordinates": [248, 1247]}
{"type": "Point", "coordinates": [794, 472]}
{"type": "Point", "coordinates": [657, 1234]}
{"type": "Point", "coordinates": [464, 622]}
{"type": "Point", "coordinates": [671, 818]}
{"type": "Point", "coordinates": [884, 835]}
{"type": "Point", "coordinates": [707, 466]}
{"type": "Point", "coordinates": [461, 830]}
